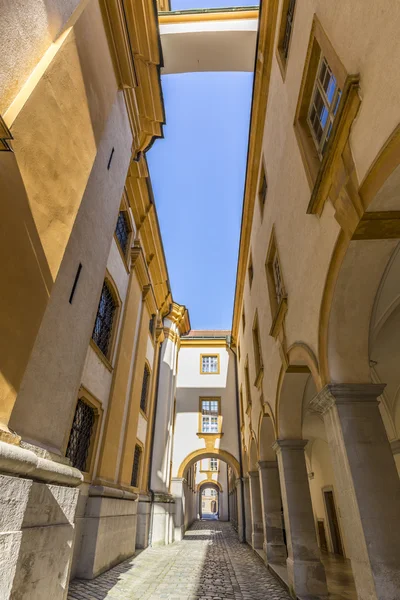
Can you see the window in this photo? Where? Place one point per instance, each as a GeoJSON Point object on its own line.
{"type": "Point", "coordinates": [250, 271]}
{"type": "Point", "coordinates": [145, 389]}
{"type": "Point", "coordinates": [262, 190]}
{"type": "Point", "coordinates": [243, 319]}
{"type": "Point", "coordinates": [324, 89]}
{"type": "Point", "coordinates": [247, 383]}
{"type": "Point", "coordinates": [324, 105]}
{"type": "Point", "coordinates": [103, 326]}
{"type": "Point", "coordinates": [122, 230]}
{"type": "Point", "coordinates": [152, 324]}
{"type": "Point", "coordinates": [257, 350]}
{"type": "Point", "coordinates": [213, 464]}
{"type": "Point", "coordinates": [81, 436]}
{"type": "Point", "coordinates": [209, 416]}
{"type": "Point", "coordinates": [241, 405]}
{"type": "Point", "coordinates": [238, 351]}
{"type": "Point", "coordinates": [137, 458]}
{"type": "Point", "coordinates": [285, 32]}
{"type": "Point", "coordinates": [209, 363]}
{"type": "Point", "coordinates": [274, 277]}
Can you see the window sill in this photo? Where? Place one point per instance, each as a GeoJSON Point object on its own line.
{"type": "Point", "coordinates": [278, 319]}
{"type": "Point", "coordinates": [101, 356]}
{"type": "Point", "coordinates": [323, 178]}
{"type": "Point", "coordinates": [206, 436]}
{"type": "Point", "coordinates": [143, 414]}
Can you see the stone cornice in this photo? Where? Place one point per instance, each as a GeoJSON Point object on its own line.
{"type": "Point", "coordinates": [179, 315]}
{"type": "Point", "coordinates": [132, 30]}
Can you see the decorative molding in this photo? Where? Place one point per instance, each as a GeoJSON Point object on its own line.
{"type": "Point", "coordinates": [345, 393]}
{"type": "Point", "coordinates": [132, 31]}
{"type": "Point", "coordinates": [277, 323]}
{"type": "Point", "coordinates": [179, 315]}
{"type": "Point", "coordinates": [291, 444]}
{"type": "Point", "coordinates": [204, 343]}
{"type": "Point", "coordinates": [195, 16]}
{"type": "Point", "coordinates": [395, 446]}
{"type": "Point", "coordinates": [267, 464]}
{"type": "Point", "coordinates": [384, 225]}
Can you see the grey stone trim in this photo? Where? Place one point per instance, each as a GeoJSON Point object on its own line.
{"type": "Point", "coordinates": [109, 492]}
{"type": "Point", "coordinates": [267, 464]}
{"type": "Point", "coordinates": [292, 444]}
{"type": "Point", "coordinates": [19, 461]}
{"type": "Point", "coordinates": [395, 446]}
{"type": "Point", "coordinates": [344, 393]}
{"type": "Point", "coordinates": [254, 474]}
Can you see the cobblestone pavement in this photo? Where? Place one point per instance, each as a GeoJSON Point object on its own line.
{"type": "Point", "coordinates": [209, 564]}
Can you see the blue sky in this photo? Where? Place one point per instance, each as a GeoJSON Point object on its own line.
{"type": "Point", "coordinates": [188, 4]}
{"type": "Point", "coordinates": [197, 173]}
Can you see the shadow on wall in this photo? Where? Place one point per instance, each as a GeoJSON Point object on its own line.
{"type": "Point", "coordinates": [43, 538]}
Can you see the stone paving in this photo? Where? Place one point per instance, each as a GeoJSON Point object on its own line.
{"type": "Point", "coordinates": [208, 564]}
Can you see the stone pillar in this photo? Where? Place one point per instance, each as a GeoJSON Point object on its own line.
{"type": "Point", "coordinates": [247, 508]}
{"type": "Point", "coordinates": [239, 510]}
{"type": "Point", "coordinates": [257, 532]}
{"type": "Point", "coordinates": [367, 484]}
{"type": "Point", "coordinates": [306, 573]}
{"type": "Point", "coordinates": [179, 496]}
{"type": "Point", "coordinates": [271, 504]}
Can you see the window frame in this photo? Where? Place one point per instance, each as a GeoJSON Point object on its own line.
{"type": "Point", "coordinates": [250, 271]}
{"type": "Point", "coordinates": [262, 190]}
{"type": "Point", "coordinates": [319, 45]}
{"type": "Point", "coordinates": [257, 349]}
{"type": "Point", "coordinates": [145, 411]}
{"type": "Point", "coordinates": [108, 358]}
{"type": "Point", "coordinates": [85, 396]}
{"type": "Point", "coordinates": [208, 355]}
{"type": "Point", "coordinates": [138, 444]}
{"type": "Point", "coordinates": [247, 383]}
{"type": "Point", "coordinates": [282, 55]}
{"type": "Point", "coordinates": [272, 257]}
{"type": "Point", "coordinates": [124, 207]}
{"type": "Point", "coordinates": [219, 416]}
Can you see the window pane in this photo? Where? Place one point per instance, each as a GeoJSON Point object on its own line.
{"type": "Point", "coordinates": [122, 230]}
{"type": "Point", "coordinates": [80, 436]}
{"type": "Point", "coordinates": [104, 320]}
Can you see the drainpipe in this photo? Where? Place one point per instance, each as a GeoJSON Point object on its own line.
{"type": "Point", "coordinates": [153, 428]}
{"type": "Point", "coordinates": [240, 445]}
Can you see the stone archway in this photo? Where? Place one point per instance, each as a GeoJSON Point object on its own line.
{"type": "Point", "coordinates": [207, 453]}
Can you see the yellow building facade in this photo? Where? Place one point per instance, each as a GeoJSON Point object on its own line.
{"type": "Point", "coordinates": [86, 289]}
{"type": "Point", "coordinates": [315, 303]}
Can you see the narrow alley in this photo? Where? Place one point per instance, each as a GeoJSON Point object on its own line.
{"type": "Point", "coordinates": [208, 564]}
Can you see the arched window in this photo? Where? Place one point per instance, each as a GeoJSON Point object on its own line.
{"type": "Point", "coordinates": [145, 388]}
{"type": "Point", "coordinates": [103, 326]}
{"type": "Point", "coordinates": [81, 436]}
{"type": "Point", "coordinates": [137, 457]}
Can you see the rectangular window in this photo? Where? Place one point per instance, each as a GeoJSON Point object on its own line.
{"type": "Point", "coordinates": [213, 464]}
{"type": "Point", "coordinates": [209, 416]}
{"type": "Point", "coordinates": [137, 459]}
{"type": "Point", "coordinates": [247, 382]}
{"type": "Point", "coordinates": [257, 347]}
{"type": "Point", "coordinates": [103, 326]}
{"type": "Point", "coordinates": [262, 190]}
{"type": "Point", "coordinates": [122, 230]}
{"type": "Point", "coordinates": [152, 323]}
{"type": "Point", "coordinates": [324, 104]}
{"type": "Point", "coordinates": [277, 277]}
{"type": "Point", "coordinates": [273, 272]}
{"type": "Point", "coordinates": [145, 389]}
{"type": "Point", "coordinates": [80, 437]}
{"type": "Point", "coordinates": [209, 363]}
{"type": "Point", "coordinates": [250, 271]}
{"type": "Point", "coordinates": [243, 319]}
{"type": "Point", "coordinates": [241, 405]}
{"type": "Point", "coordinates": [288, 27]}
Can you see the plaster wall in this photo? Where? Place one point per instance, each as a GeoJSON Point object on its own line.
{"type": "Point", "coordinates": [306, 242]}
{"type": "Point", "coordinates": [53, 375]}
{"type": "Point", "coordinates": [26, 31]}
{"type": "Point", "coordinates": [58, 128]}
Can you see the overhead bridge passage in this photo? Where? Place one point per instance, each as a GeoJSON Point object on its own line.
{"type": "Point", "coordinates": [220, 40]}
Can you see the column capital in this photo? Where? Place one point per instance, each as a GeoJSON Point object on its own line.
{"type": "Point", "coordinates": [267, 464]}
{"type": "Point", "coordinates": [395, 446]}
{"type": "Point", "coordinates": [253, 474]}
{"type": "Point", "coordinates": [345, 393]}
{"type": "Point", "coordinates": [291, 444]}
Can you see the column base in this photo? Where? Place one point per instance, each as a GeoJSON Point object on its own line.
{"type": "Point", "coordinates": [107, 531]}
{"type": "Point", "coordinates": [275, 553]}
{"type": "Point", "coordinates": [307, 579]}
{"type": "Point", "coordinates": [257, 540]}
